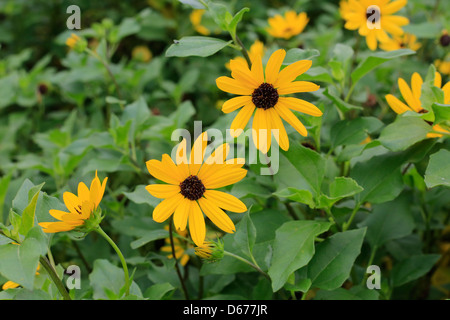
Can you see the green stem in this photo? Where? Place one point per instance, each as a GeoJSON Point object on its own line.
{"type": "Point", "coordinates": [121, 257]}
{"type": "Point", "coordinates": [253, 265]}
{"type": "Point", "coordinates": [56, 280]}
{"type": "Point", "coordinates": [349, 222]}
{"type": "Point", "coordinates": [177, 268]}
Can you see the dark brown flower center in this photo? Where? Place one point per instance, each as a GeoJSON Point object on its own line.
{"type": "Point", "coordinates": [373, 15]}
{"type": "Point", "coordinates": [445, 40]}
{"type": "Point", "coordinates": [192, 188]}
{"type": "Point", "coordinates": [265, 96]}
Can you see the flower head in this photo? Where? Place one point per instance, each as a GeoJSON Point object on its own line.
{"type": "Point", "coordinates": [210, 251]}
{"type": "Point", "coordinates": [443, 66]}
{"type": "Point", "coordinates": [374, 19]}
{"type": "Point", "coordinates": [407, 40]}
{"type": "Point", "coordinates": [83, 209]}
{"type": "Point", "coordinates": [288, 26]}
{"type": "Point", "coordinates": [411, 96]}
{"type": "Point", "coordinates": [265, 94]}
{"type": "Point", "coordinates": [189, 190]}
{"type": "Point", "coordinates": [444, 40]}
{"type": "Point", "coordinates": [76, 43]}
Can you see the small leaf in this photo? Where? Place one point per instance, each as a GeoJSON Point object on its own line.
{"type": "Point", "coordinates": [196, 46]}
{"type": "Point", "coordinates": [245, 235]}
{"type": "Point", "coordinates": [413, 268]}
{"type": "Point", "coordinates": [438, 170]}
{"type": "Point", "coordinates": [403, 133]}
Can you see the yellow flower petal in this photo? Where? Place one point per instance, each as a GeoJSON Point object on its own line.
{"type": "Point", "coordinates": [216, 215]}
{"type": "Point", "coordinates": [290, 118]}
{"type": "Point", "coordinates": [197, 224]}
{"type": "Point", "coordinates": [240, 121]}
{"type": "Point", "coordinates": [181, 214]}
{"type": "Point", "coordinates": [163, 191]}
{"type": "Point", "coordinates": [165, 209]}
{"type": "Point", "coordinates": [277, 124]}
{"type": "Point", "coordinates": [225, 201]}
{"type": "Point", "coordinates": [396, 105]}
{"type": "Point", "coordinates": [235, 103]}
{"type": "Point", "coordinates": [274, 65]}
{"type": "Point", "coordinates": [197, 153]}
{"type": "Point", "coordinates": [301, 106]}
{"type": "Point", "coordinates": [234, 86]}
{"type": "Point", "coordinates": [297, 86]}
{"type": "Point", "coordinates": [292, 71]}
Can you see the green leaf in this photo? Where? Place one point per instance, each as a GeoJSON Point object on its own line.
{"type": "Point", "coordinates": [245, 235]}
{"type": "Point", "coordinates": [340, 188]}
{"type": "Point", "coordinates": [293, 248]}
{"type": "Point", "coordinates": [28, 214]}
{"type": "Point", "coordinates": [141, 195]}
{"type": "Point", "coordinates": [355, 293]}
{"type": "Point", "coordinates": [302, 196]}
{"type": "Point", "coordinates": [413, 268]}
{"type": "Point", "coordinates": [309, 164]}
{"type": "Point", "coordinates": [19, 262]}
{"type": "Point", "coordinates": [334, 259]}
{"type": "Point", "coordinates": [403, 133]}
{"type": "Point", "coordinates": [438, 170]}
{"type": "Point", "coordinates": [331, 93]}
{"type": "Point", "coordinates": [236, 19]}
{"type": "Point", "coordinates": [296, 54]}
{"type": "Point", "coordinates": [196, 46]}
{"type": "Point", "coordinates": [158, 291]}
{"type": "Point", "coordinates": [441, 112]}
{"type": "Point", "coordinates": [374, 60]}
{"type": "Point", "coordinates": [347, 132]}
{"type": "Point", "coordinates": [389, 221]}
{"type": "Point", "coordinates": [380, 176]}
{"type": "Point", "coordinates": [149, 237]}
{"type": "Point", "coordinates": [107, 280]}
{"type": "Point", "coordinates": [425, 30]}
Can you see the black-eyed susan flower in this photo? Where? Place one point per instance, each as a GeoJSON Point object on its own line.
{"type": "Point", "coordinates": [411, 96]}
{"type": "Point", "coordinates": [374, 19]}
{"type": "Point", "coordinates": [83, 209]}
{"type": "Point", "coordinates": [407, 40]}
{"type": "Point", "coordinates": [189, 191]}
{"type": "Point", "coordinates": [262, 93]}
{"type": "Point", "coordinates": [180, 247]}
{"type": "Point", "coordinates": [256, 49]}
{"type": "Point", "coordinates": [196, 20]}
{"type": "Point", "coordinates": [287, 26]}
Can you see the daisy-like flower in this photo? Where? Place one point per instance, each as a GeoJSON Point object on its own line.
{"type": "Point", "coordinates": [411, 96]}
{"type": "Point", "coordinates": [407, 40]}
{"type": "Point", "coordinates": [288, 26]}
{"type": "Point", "coordinates": [256, 49]}
{"type": "Point", "coordinates": [179, 246]}
{"type": "Point", "coordinates": [189, 190]}
{"type": "Point", "coordinates": [374, 19]}
{"type": "Point", "coordinates": [443, 66]}
{"type": "Point", "coordinates": [83, 209]}
{"type": "Point", "coordinates": [265, 95]}
{"type": "Point", "coordinates": [196, 20]}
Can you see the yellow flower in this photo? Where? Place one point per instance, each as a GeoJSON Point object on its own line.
{"type": "Point", "coordinates": [72, 40]}
{"type": "Point", "coordinates": [407, 40]}
{"type": "Point", "coordinates": [265, 95]}
{"type": "Point", "coordinates": [411, 96]}
{"type": "Point", "coordinates": [374, 19]}
{"type": "Point", "coordinates": [80, 207]}
{"type": "Point", "coordinates": [256, 49]}
{"type": "Point", "coordinates": [196, 20]}
{"type": "Point", "coordinates": [288, 26]}
{"type": "Point", "coordinates": [141, 53]}
{"type": "Point", "coordinates": [443, 66]}
{"type": "Point", "coordinates": [189, 189]}
{"type": "Point", "coordinates": [180, 252]}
